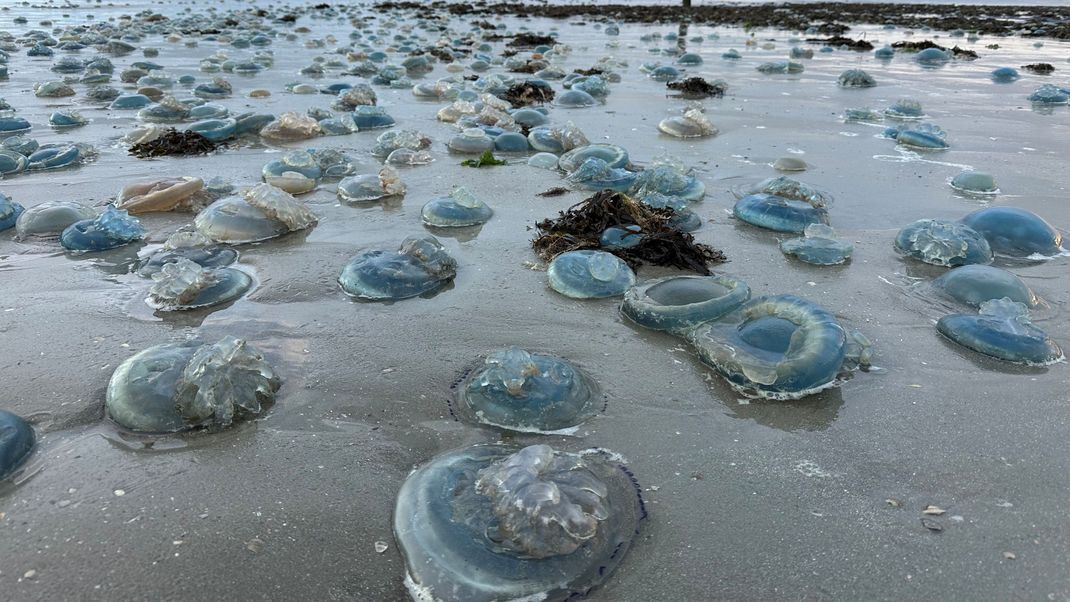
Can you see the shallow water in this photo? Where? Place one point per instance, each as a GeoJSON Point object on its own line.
{"type": "Point", "coordinates": [747, 499]}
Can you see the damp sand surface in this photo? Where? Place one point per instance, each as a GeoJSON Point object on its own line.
{"type": "Point", "coordinates": [818, 499]}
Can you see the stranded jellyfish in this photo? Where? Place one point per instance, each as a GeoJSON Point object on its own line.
{"type": "Point", "coordinates": [181, 386]}
{"type": "Point", "coordinates": [975, 182]}
{"type": "Point", "coordinates": [905, 108]}
{"type": "Point", "coordinates": [670, 179]}
{"type": "Point", "coordinates": [371, 187]}
{"type": "Point", "coordinates": [692, 124]}
{"type": "Point", "coordinates": [923, 136]}
{"type": "Point", "coordinates": [818, 246]}
{"type": "Point", "coordinates": [678, 302]}
{"type": "Point", "coordinates": [932, 57]}
{"type": "Point", "coordinates": [781, 347]}
{"type": "Point", "coordinates": [215, 130]}
{"type": "Point", "coordinates": [16, 442]}
{"type": "Point", "coordinates": [258, 213]}
{"type": "Point", "coordinates": [420, 266]}
{"type": "Point", "coordinates": [367, 117]}
{"type": "Point", "coordinates": [472, 141]}
{"type": "Point", "coordinates": [1002, 330]}
{"type": "Point", "coordinates": [9, 212]}
{"type": "Point", "coordinates": [856, 78]}
{"type": "Point", "coordinates": [183, 284]}
{"type": "Point", "coordinates": [1015, 232]}
{"type": "Point", "coordinates": [778, 213]}
{"type": "Point", "coordinates": [530, 392]}
{"type": "Point", "coordinates": [941, 242]}
{"type": "Point", "coordinates": [614, 156]}
{"type": "Point", "coordinates": [166, 194]}
{"type": "Point", "coordinates": [596, 174]}
{"type": "Point", "coordinates": [590, 274]}
{"type": "Point", "coordinates": [1049, 95]}
{"type": "Point", "coordinates": [778, 67]}
{"type": "Point", "coordinates": [557, 140]}
{"type": "Point", "coordinates": [975, 284]}
{"type": "Point", "coordinates": [491, 522]}
{"type": "Point", "coordinates": [51, 218]}
{"type": "Point", "coordinates": [1005, 75]}
{"type": "Point", "coordinates": [190, 245]}
{"type": "Point", "coordinates": [460, 208]}
{"type": "Point", "coordinates": [575, 99]}
{"type": "Point", "coordinates": [111, 229]}
{"type": "Point", "coordinates": [296, 172]}
{"type": "Point", "coordinates": [66, 119]}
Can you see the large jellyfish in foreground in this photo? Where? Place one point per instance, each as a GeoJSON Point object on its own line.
{"type": "Point", "coordinates": [183, 284]}
{"type": "Point", "coordinates": [9, 212]}
{"type": "Point", "coordinates": [420, 266]}
{"type": "Point", "coordinates": [181, 386]}
{"type": "Point", "coordinates": [111, 229]}
{"type": "Point", "coordinates": [1015, 232]}
{"type": "Point", "coordinates": [692, 124]}
{"type": "Point", "coordinates": [16, 442]}
{"type": "Point", "coordinates": [780, 347]}
{"type": "Point", "coordinates": [492, 522]}
{"type": "Point", "coordinates": [818, 247]}
{"type": "Point", "coordinates": [975, 284]}
{"type": "Point", "coordinates": [259, 213]}
{"type": "Point", "coordinates": [50, 218]}
{"type": "Point", "coordinates": [1002, 330]}
{"type": "Point", "coordinates": [678, 302]}
{"type": "Point", "coordinates": [589, 274]}
{"type": "Point", "coordinates": [945, 243]}
{"type": "Point", "coordinates": [460, 208]}
{"type": "Point", "coordinates": [523, 391]}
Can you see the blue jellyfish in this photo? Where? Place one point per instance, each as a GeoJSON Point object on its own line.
{"type": "Point", "coordinates": [593, 85]}
{"type": "Point", "coordinates": [676, 303]}
{"type": "Point", "coordinates": [668, 179]}
{"type": "Point", "coordinates": [862, 115]}
{"type": "Point", "coordinates": [101, 93]}
{"type": "Point", "coordinates": [421, 266]}
{"type": "Point", "coordinates": [621, 237]}
{"type": "Point", "coordinates": [683, 219]}
{"type": "Point", "coordinates": [183, 386]}
{"type": "Point", "coordinates": [731, 55]}
{"type": "Point", "coordinates": [251, 123]}
{"type": "Point", "coordinates": [215, 130]}
{"type": "Point", "coordinates": [209, 111]}
{"type": "Point", "coordinates": [529, 392]}
{"type": "Point", "coordinates": [613, 155]}
{"type": "Point", "coordinates": [596, 174]}
{"type": "Point", "coordinates": [168, 110]}
{"type": "Point", "coordinates": [975, 284]}
{"type": "Point", "coordinates": [818, 247]}
{"type": "Point", "coordinates": [1002, 330]}
{"type": "Point", "coordinates": [258, 213]}
{"type": "Point", "coordinates": [16, 442]}
{"type": "Point", "coordinates": [590, 274]}
{"type": "Point", "coordinates": [942, 242]}
{"type": "Point", "coordinates": [111, 229]}
{"type": "Point", "coordinates": [529, 118]}
{"type": "Point", "coordinates": [932, 57]}
{"type": "Point", "coordinates": [975, 182]}
{"type": "Point", "coordinates": [11, 124]}
{"type": "Point", "coordinates": [1049, 95]}
{"type": "Point", "coordinates": [367, 117]}
{"type": "Point", "coordinates": [20, 144]}
{"type": "Point", "coordinates": [296, 172]}
{"type": "Point", "coordinates": [12, 162]}
{"type": "Point", "coordinates": [883, 54]}
{"type": "Point", "coordinates": [905, 108]}
{"type": "Point", "coordinates": [58, 156]}
{"type": "Point", "coordinates": [778, 213]}
{"type": "Point", "coordinates": [207, 256]}
{"type": "Point", "coordinates": [476, 524]}
{"type": "Point", "coordinates": [213, 91]}
{"type": "Point", "coordinates": [130, 101]}
{"type": "Point", "coordinates": [798, 52]}
{"type": "Point", "coordinates": [371, 187]}
{"type": "Point", "coordinates": [9, 212]}
{"type": "Point", "coordinates": [779, 347]}
{"type": "Point", "coordinates": [690, 59]}
{"type": "Point", "coordinates": [856, 78]}
{"type": "Point", "coordinates": [923, 136]}
{"type": "Point", "coordinates": [692, 124]}
{"type": "Point", "coordinates": [183, 284]}
{"type": "Point", "coordinates": [460, 208]}
{"type": "Point", "coordinates": [511, 142]}
{"type": "Point", "coordinates": [1015, 232]}
{"type": "Point", "coordinates": [575, 99]}
{"type": "Point", "coordinates": [1005, 75]}
{"type": "Point", "coordinates": [778, 67]}
{"type": "Point", "coordinates": [471, 140]}
{"type": "Point", "coordinates": [50, 218]}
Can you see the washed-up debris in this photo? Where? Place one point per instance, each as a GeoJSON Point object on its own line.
{"type": "Point", "coordinates": [957, 52]}
{"type": "Point", "coordinates": [933, 510]}
{"type": "Point", "coordinates": [1040, 68]}
{"type": "Point", "coordinates": [696, 87]}
{"type": "Point", "coordinates": [484, 160]}
{"type": "Point", "coordinates": [528, 93]}
{"type": "Point", "coordinates": [555, 191]}
{"type": "Point", "coordinates": [840, 41]}
{"type": "Point", "coordinates": [531, 39]}
{"type": "Point", "coordinates": [174, 142]}
{"type": "Point", "coordinates": [583, 224]}
{"type": "Point", "coordinates": [933, 525]}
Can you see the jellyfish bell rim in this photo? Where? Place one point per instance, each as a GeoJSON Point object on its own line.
{"type": "Point", "coordinates": [240, 281]}
{"type": "Point", "coordinates": [23, 442]}
{"type": "Point", "coordinates": [639, 307]}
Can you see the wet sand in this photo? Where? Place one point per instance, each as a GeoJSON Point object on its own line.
{"type": "Point", "coordinates": [748, 499]}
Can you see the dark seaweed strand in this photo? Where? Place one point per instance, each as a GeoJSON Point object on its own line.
{"type": "Point", "coordinates": [174, 142]}
{"type": "Point", "coordinates": [581, 227]}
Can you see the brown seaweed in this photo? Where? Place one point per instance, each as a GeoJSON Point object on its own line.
{"type": "Point", "coordinates": [528, 93]}
{"type": "Point", "coordinates": [696, 87]}
{"type": "Point", "coordinates": [174, 142]}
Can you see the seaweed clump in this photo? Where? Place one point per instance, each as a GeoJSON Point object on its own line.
{"type": "Point", "coordinates": [582, 225]}
{"type": "Point", "coordinates": [528, 93]}
{"type": "Point", "coordinates": [696, 87]}
{"type": "Point", "coordinates": [957, 52]}
{"type": "Point", "coordinates": [1040, 68]}
{"type": "Point", "coordinates": [531, 39]}
{"type": "Point", "coordinates": [484, 160]}
{"type": "Point", "coordinates": [174, 142]}
{"type": "Point", "coordinates": [838, 41]}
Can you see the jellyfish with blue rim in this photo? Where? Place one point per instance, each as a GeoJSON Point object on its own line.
{"type": "Point", "coordinates": [670, 179]}
{"type": "Point", "coordinates": [943, 243]}
{"type": "Point", "coordinates": [625, 236]}
{"type": "Point", "coordinates": [677, 303]}
{"type": "Point", "coordinates": [925, 136]}
{"type": "Point", "coordinates": [1005, 75]}
{"type": "Point", "coordinates": [786, 208]}
{"type": "Point", "coordinates": [557, 140]}
{"type": "Point", "coordinates": [575, 99]}
{"type": "Point", "coordinates": [974, 284]}
{"type": "Point", "coordinates": [1015, 232]}
{"type": "Point", "coordinates": [589, 274]}
{"type": "Point", "coordinates": [932, 57]}
{"type": "Point", "coordinates": [528, 392]}
{"type": "Point", "coordinates": [530, 118]}
{"type": "Point", "coordinates": [905, 108]}
{"type": "Point", "coordinates": [17, 439]}
{"type": "Point", "coordinates": [50, 218]}
{"type": "Point", "coordinates": [58, 156]}
{"type": "Point", "coordinates": [127, 102]}
{"type": "Point", "coordinates": [189, 385]}
{"type": "Point", "coordinates": [255, 214]}
{"type": "Point", "coordinates": [779, 347]}
{"type": "Point", "coordinates": [216, 130]}
{"type": "Point", "coordinates": [420, 266]}
{"type": "Point", "coordinates": [23, 145]}
{"type": "Point", "coordinates": [371, 187]}
{"type": "Point", "coordinates": [474, 525]}
{"type": "Point", "coordinates": [1002, 329]}
{"type": "Point", "coordinates": [251, 123]}
{"type": "Point", "coordinates": [460, 208]}
{"type": "Point", "coordinates": [111, 229]}
{"type": "Point", "coordinates": [780, 67]}
{"type": "Point", "coordinates": [11, 124]}
{"type": "Point", "coordinates": [692, 124]}
{"type": "Point", "coordinates": [9, 212]}
{"type": "Point", "coordinates": [731, 55]}
{"type": "Point", "coordinates": [596, 174]}
{"type": "Point", "coordinates": [614, 156]}
{"type": "Point", "coordinates": [856, 78]}
{"type": "Point", "coordinates": [884, 54]}
{"type": "Point", "coordinates": [471, 141]}
{"type": "Point", "coordinates": [184, 285]}
{"type": "Point", "coordinates": [683, 219]}
{"type": "Point", "coordinates": [689, 59]}
{"type": "Point", "coordinates": [370, 117]}
{"type": "Point", "coordinates": [972, 182]}
{"type": "Point", "coordinates": [12, 162]}
{"type": "Point", "coordinates": [818, 246]}
{"type": "Point", "coordinates": [168, 110]}
{"type": "Point", "coordinates": [1049, 94]}
{"type": "Point", "coordinates": [296, 172]}
{"type": "Point", "coordinates": [209, 111]}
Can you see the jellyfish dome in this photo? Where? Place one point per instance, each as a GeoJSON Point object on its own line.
{"type": "Point", "coordinates": [1005, 75]}
{"type": "Point", "coordinates": [371, 187]}
{"type": "Point", "coordinates": [57, 156]}
{"type": "Point", "coordinates": [206, 255]}
{"type": "Point", "coordinates": [614, 156]}
{"type": "Point", "coordinates": [884, 53]}
{"type": "Point", "coordinates": [905, 108]}
{"type": "Point", "coordinates": [590, 274]}
{"type": "Point", "coordinates": [528, 392]}
{"type": "Point", "coordinates": [923, 136]}
{"type": "Point", "coordinates": [9, 212]}
{"type": "Point", "coordinates": [818, 246]}
{"type": "Point", "coordinates": [164, 194]}
{"type": "Point", "coordinates": [856, 78]}
{"type": "Point", "coordinates": [368, 117]}
{"type": "Point", "coordinates": [12, 162]}
{"type": "Point", "coordinates": [1015, 232]}
{"type": "Point", "coordinates": [215, 130]}
{"type": "Point", "coordinates": [66, 119]}
{"type": "Point", "coordinates": [493, 522]}
{"type": "Point", "coordinates": [779, 67]}
{"type": "Point", "coordinates": [296, 172]}
{"type": "Point", "coordinates": [111, 229]}
{"type": "Point", "coordinates": [575, 99]}
{"type": "Point", "coordinates": [675, 303]}
{"type": "Point", "coordinates": [16, 442]}
{"type": "Point", "coordinates": [460, 208]}
{"type": "Point", "coordinates": [689, 59]}
{"type": "Point", "coordinates": [975, 182]}
{"type": "Point", "coordinates": [975, 284]}
{"type": "Point", "coordinates": [932, 57]}
{"type": "Point", "coordinates": [779, 214]}
{"type": "Point", "coordinates": [511, 142]}
{"type": "Point", "coordinates": [182, 386]}
{"type": "Point", "coordinates": [596, 174]}
{"type": "Point", "coordinates": [51, 218]}
{"type": "Point", "coordinates": [183, 284]}
{"type": "Point", "coordinates": [471, 140]}
{"type": "Point", "coordinates": [692, 124]}
{"type": "Point", "coordinates": [1049, 95]}
{"type": "Point", "coordinates": [420, 266]}
{"type": "Point", "coordinates": [779, 347]}
{"type": "Point", "coordinates": [258, 213]}
{"type": "Point", "coordinates": [945, 243]}
{"type": "Point", "coordinates": [1002, 330]}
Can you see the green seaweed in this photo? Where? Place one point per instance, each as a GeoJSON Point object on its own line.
{"type": "Point", "coordinates": [487, 158]}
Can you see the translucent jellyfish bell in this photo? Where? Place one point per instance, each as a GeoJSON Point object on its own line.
{"type": "Point", "coordinates": [589, 274]}
{"type": "Point", "coordinates": [856, 78]}
{"type": "Point", "coordinates": [50, 218]}
{"type": "Point", "coordinates": [183, 284]}
{"type": "Point", "coordinates": [669, 179]}
{"type": "Point", "coordinates": [675, 303]}
{"type": "Point", "coordinates": [779, 214]}
{"type": "Point", "coordinates": [165, 194]}
{"type": "Point", "coordinates": [258, 213]}
{"type": "Point", "coordinates": [182, 386]}
{"type": "Point", "coordinates": [905, 108]}
{"type": "Point", "coordinates": [16, 443]}
{"type": "Point", "coordinates": [460, 208]}
{"type": "Point", "coordinates": [975, 284]}
{"type": "Point", "coordinates": [9, 212]}
{"type": "Point", "coordinates": [1015, 232]}
{"type": "Point", "coordinates": [613, 155]}
{"type": "Point", "coordinates": [111, 229]}
{"type": "Point", "coordinates": [1049, 95]}
{"type": "Point", "coordinates": [779, 347]}
{"type": "Point", "coordinates": [944, 243]}
{"type": "Point", "coordinates": [371, 187]}
{"type": "Point", "coordinates": [420, 266]}
{"type": "Point", "coordinates": [296, 172]}
{"type": "Point", "coordinates": [818, 247]}
{"type": "Point", "coordinates": [932, 57]}
{"type": "Point", "coordinates": [1002, 330]}
{"type": "Point", "coordinates": [472, 141]}
{"type": "Point", "coordinates": [692, 124]}
{"type": "Point", "coordinates": [923, 136]}
{"type": "Point", "coordinates": [596, 174]}
{"type": "Point", "coordinates": [975, 182]}
{"type": "Point", "coordinates": [492, 522]}
{"type": "Point", "coordinates": [529, 392]}
{"type": "Point", "coordinates": [575, 99]}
